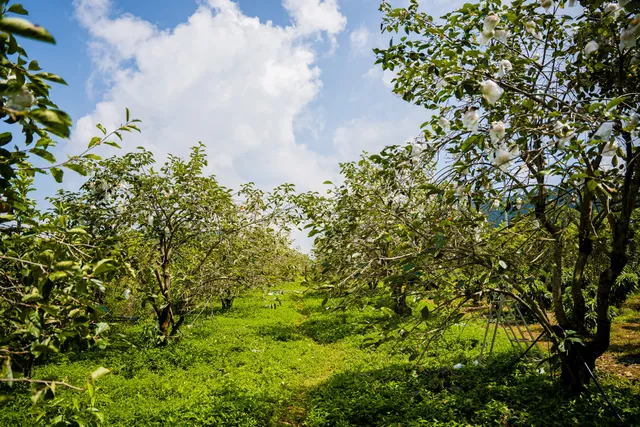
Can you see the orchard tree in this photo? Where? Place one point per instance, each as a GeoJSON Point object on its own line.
{"type": "Point", "coordinates": [184, 235]}
{"type": "Point", "coordinates": [49, 269]}
{"type": "Point", "coordinates": [369, 229]}
{"type": "Point", "coordinates": [534, 104]}
{"type": "Point", "coordinates": [255, 256]}
{"type": "Point", "coordinates": [156, 214]}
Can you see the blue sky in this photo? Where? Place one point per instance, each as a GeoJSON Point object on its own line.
{"type": "Point", "coordinates": [278, 90]}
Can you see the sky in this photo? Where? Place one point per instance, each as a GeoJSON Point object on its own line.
{"type": "Point", "coordinates": [278, 90]}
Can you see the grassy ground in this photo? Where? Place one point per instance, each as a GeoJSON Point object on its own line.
{"type": "Point", "coordinates": [623, 357]}
{"type": "Point", "coordinates": [301, 365]}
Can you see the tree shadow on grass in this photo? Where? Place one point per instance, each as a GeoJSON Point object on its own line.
{"type": "Point", "coordinates": [628, 354]}
{"type": "Point", "coordinates": [280, 332]}
{"type": "Point", "coordinates": [475, 395]}
{"type": "Point", "coordinates": [338, 326]}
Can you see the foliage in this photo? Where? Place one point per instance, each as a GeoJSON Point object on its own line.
{"type": "Point", "coordinates": [368, 228]}
{"type": "Point", "coordinates": [535, 119]}
{"type": "Point", "coordinates": [73, 410]}
{"type": "Point", "coordinates": [184, 236]}
{"type": "Point", "coordinates": [50, 271]}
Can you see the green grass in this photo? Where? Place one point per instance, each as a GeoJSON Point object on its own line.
{"type": "Point", "coordinates": [302, 365]}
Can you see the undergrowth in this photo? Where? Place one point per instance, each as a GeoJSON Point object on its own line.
{"type": "Point", "coordinates": [303, 365]}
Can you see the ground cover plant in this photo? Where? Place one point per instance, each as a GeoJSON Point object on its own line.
{"type": "Point", "coordinates": [301, 364]}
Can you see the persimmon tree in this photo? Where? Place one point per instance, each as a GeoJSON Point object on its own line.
{"type": "Point", "coordinates": [534, 112]}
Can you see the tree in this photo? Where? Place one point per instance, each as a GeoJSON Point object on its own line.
{"type": "Point", "coordinates": [370, 225]}
{"type": "Point", "coordinates": [49, 271]}
{"type": "Point", "coordinates": [182, 233]}
{"type": "Point", "coordinates": [538, 108]}
{"type": "Point", "coordinates": [159, 212]}
{"type": "Point", "coordinates": [255, 256]}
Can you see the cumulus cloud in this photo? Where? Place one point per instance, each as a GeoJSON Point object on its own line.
{"type": "Point", "coordinates": [229, 80]}
{"type": "Point", "coordinates": [314, 16]}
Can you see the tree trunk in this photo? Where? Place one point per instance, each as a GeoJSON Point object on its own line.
{"type": "Point", "coordinates": [574, 370]}
{"type": "Point", "coordinates": [556, 282]}
{"type": "Point", "coordinates": [176, 326]}
{"type": "Point", "coordinates": [163, 276]}
{"type": "Point", "coordinates": [164, 320]}
{"type": "Point", "coordinates": [400, 306]}
{"type": "Point", "coordinates": [585, 248]}
{"type": "Point", "coordinates": [227, 300]}
{"type": "Point", "coordinates": [576, 364]}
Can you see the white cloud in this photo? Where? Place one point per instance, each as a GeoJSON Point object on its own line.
{"type": "Point", "coordinates": [314, 16]}
{"type": "Point", "coordinates": [360, 39]}
{"type": "Point", "coordinates": [385, 76]}
{"type": "Point", "coordinates": [229, 80]}
{"type": "Point", "coordinates": [372, 135]}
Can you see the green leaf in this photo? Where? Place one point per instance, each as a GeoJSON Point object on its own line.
{"type": "Point", "coordinates": [92, 156]}
{"type": "Point", "coordinates": [35, 397]}
{"type": "Point", "coordinates": [13, 45]}
{"type": "Point", "coordinates": [65, 264]}
{"type": "Point", "coordinates": [57, 275]}
{"type": "Point", "coordinates": [5, 138]}
{"type": "Point", "coordinates": [593, 107]}
{"type": "Point", "coordinates": [94, 141]}
{"type": "Point", "coordinates": [616, 101]}
{"type": "Point", "coordinates": [76, 168]}
{"type": "Point", "coordinates": [24, 28]}
{"type": "Point", "coordinates": [51, 77]}
{"type": "Point", "coordinates": [57, 174]}
{"type": "Point", "coordinates": [592, 185]}
{"type": "Point", "coordinates": [17, 9]}
{"type": "Point", "coordinates": [43, 348]}
{"type": "Point", "coordinates": [77, 230]}
{"type": "Point", "coordinates": [127, 114]}
{"type": "Point", "coordinates": [34, 66]}
{"type": "Point", "coordinates": [103, 266]}
{"type": "Point", "coordinates": [34, 295]}
{"type": "Point", "coordinates": [98, 373]}
{"type": "Point", "coordinates": [44, 154]}
{"type": "Point", "coordinates": [101, 327]}
{"type": "Point", "coordinates": [502, 264]}
{"type": "Point", "coordinates": [56, 121]}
